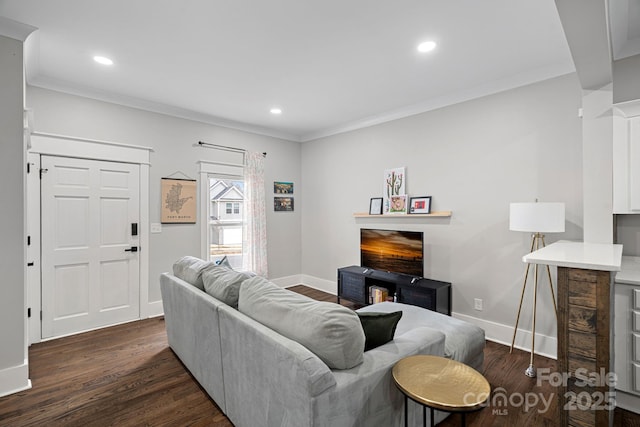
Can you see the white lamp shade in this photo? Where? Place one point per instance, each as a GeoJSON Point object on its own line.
{"type": "Point", "coordinates": [537, 217]}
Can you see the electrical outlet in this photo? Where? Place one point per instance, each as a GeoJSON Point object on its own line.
{"type": "Point", "coordinates": [156, 227]}
{"type": "Point", "coordinates": [477, 304]}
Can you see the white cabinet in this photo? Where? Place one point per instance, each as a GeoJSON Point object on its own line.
{"type": "Point", "coordinates": [626, 163]}
{"type": "Point", "coordinates": [627, 337]}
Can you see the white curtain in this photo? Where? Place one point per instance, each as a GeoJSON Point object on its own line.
{"type": "Point", "coordinates": [255, 216]}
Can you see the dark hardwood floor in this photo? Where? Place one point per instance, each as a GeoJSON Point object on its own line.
{"type": "Point", "coordinates": [128, 376]}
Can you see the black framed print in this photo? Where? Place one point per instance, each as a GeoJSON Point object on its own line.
{"type": "Point", "coordinates": [375, 206]}
{"type": "Point", "coordinates": [420, 205]}
{"type": "Point", "coordinates": [283, 204]}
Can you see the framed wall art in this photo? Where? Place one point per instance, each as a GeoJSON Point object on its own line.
{"type": "Point", "coordinates": [394, 185]}
{"type": "Point", "coordinates": [398, 204]}
{"type": "Point", "coordinates": [280, 187]}
{"type": "Point", "coordinates": [283, 204]}
{"type": "Point", "coordinates": [420, 205]}
{"type": "Point", "coordinates": [375, 206]}
{"type": "Point", "coordinates": [179, 203]}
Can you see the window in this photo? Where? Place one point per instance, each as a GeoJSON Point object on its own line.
{"type": "Point", "coordinates": [239, 175]}
{"type": "Point", "coordinates": [225, 221]}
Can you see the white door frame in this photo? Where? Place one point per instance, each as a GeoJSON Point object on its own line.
{"type": "Point", "coordinates": [67, 146]}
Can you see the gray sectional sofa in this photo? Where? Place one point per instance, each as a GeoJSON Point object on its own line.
{"type": "Point", "coordinates": [252, 362]}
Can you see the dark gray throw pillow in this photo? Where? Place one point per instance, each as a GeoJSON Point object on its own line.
{"type": "Point", "coordinates": [378, 328]}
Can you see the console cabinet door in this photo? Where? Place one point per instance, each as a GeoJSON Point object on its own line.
{"type": "Point", "coordinates": [352, 287]}
{"type": "Point", "coordinates": [415, 296]}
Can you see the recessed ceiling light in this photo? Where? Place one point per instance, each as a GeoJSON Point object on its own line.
{"type": "Point", "coordinates": [276, 110]}
{"type": "Point", "coordinates": [426, 46]}
{"type": "Point", "coordinates": [102, 60]}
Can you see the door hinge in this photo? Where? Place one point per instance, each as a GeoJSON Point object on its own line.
{"type": "Point", "coordinates": [28, 167]}
{"type": "Point", "coordinates": [29, 312]}
{"type": "Point", "coordinates": [28, 240]}
{"type": "Point", "coordinates": [43, 171]}
{"type": "Point", "coordinates": [40, 314]}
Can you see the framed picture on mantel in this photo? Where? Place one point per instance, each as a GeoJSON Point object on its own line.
{"type": "Point", "coordinates": [375, 206]}
{"type": "Point", "coordinates": [420, 205]}
{"type": "Point", "coordinates": [398, 204]}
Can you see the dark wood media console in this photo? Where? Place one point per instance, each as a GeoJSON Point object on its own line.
{"type": "Point", "coordinates": [354, 283]}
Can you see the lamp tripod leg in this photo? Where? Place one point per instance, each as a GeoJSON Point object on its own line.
{"type": "Point", "coordinates": [515, 329]}
{"type": "Point", "coordinates": [531, 370]}
{"type": "Point", "coordinates": [524, 287]}
{"type": "Point", "coordinates": [553, 295]}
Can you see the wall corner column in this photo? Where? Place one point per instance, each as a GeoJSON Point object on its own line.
{"type": "Point", "coordinates": [14, 366]}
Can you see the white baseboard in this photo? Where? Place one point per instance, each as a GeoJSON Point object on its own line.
{"type": "Point", "coordinates": [14, 379]}
{"type": "Point", "coordinates": [288, 281]}
{"type": "Point", "coordinates": [328, 286]}
{"type": "Point", "coordinates": [545, 345]}
{"type": "Point", "coordinates": [309, 281]}
{"type": "Point", "coordinates": [497, 332]}
{"type": "Point", "coordinates": [153, 309]}
{"type": "Point", "coordinates": [627, 401]}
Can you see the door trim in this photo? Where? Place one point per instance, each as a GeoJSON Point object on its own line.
{"type": "Point", "coordinates": [69, 146]}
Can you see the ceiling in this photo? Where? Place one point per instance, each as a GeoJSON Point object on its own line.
{"type": "Point", "coordinates": [330, 65]}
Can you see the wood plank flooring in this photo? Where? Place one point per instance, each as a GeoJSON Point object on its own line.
{"type": "Point", "coordinates": [128, 376]}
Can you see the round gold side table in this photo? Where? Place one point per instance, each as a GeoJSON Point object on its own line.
{"type": "Point", "coordinates": [440, 383]}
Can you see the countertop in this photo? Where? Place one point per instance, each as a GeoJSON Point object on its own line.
{"type": "Point", "coordinates": [630, 271]}
{"type": "Point", "coordinates": [589, 256]}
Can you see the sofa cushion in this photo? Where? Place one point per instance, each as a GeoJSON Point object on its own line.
{"type": "Point", "coordinates": [464, 341]}
{"type": "Point", "coordinates": [330, 331]}
{"type": "Point", "coordinates": [223, 283]}
{"type": "Point", "coordinates": [378, 328]}
{"type": "Point", "coordinates": [190, 270]}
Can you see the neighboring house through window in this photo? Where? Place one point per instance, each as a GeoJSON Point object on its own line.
{"type": "Point", "coordinates": [225, 222]}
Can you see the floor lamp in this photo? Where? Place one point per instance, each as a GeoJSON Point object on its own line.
{"type": "Point", "coordinates": [535, 218]}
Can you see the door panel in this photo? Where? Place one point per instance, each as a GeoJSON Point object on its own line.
{"type": "Point", "coordinates": [71, 293]}
{"type": "Point", "coordinates": [88, 279]}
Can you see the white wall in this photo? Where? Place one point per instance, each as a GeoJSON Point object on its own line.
{"type": "Point", "coordinates": [474, 158]}
{"type": "Point", "coordinates": [172, 141]}
{"type": "Point", "coordinates": [13, 358]}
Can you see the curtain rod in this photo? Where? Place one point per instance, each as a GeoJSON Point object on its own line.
{"type": "Point", "coordinates": [226, 148]}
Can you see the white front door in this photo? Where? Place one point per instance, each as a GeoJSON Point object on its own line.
{"type": "Point", "coordinates": [90, 274]}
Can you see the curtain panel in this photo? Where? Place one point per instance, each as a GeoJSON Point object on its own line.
{"type": "Point", "coordinates": [255, 216]}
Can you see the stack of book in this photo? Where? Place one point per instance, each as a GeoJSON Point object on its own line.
{"type": "Point", "coordinates": [378, 294]}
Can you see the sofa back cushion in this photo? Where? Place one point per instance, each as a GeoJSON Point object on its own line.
{"type": "Point", "coordinates": [190, 270]}
{"type": "Point", "coordinates": [330, 331]}
{"type": "Point", "coordinates": [223, 283]}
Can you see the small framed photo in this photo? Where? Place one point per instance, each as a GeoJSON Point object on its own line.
{"type": "Point", "coordinates": [280, 187]}
{"type": "Point", "coordinates": [283, 204]}
{"type": "Point", "coordinates": [375, 206]}
{"type": "Point", "coordinates": [420, 205]}
{"type": "Point", "coordinates": [398, 204]}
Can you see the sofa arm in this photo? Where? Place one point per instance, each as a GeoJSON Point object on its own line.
{"type": "Point", "coordinates": [191, 321]}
